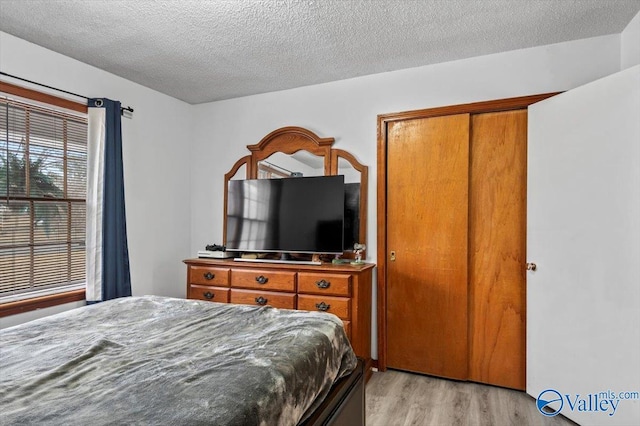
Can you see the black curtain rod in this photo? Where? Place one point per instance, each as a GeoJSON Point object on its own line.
{"type": "Point", "coordinates": [59, 90]}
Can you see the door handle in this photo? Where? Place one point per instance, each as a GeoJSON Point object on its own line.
{"type": "Point", "coordinates": [531, 266]}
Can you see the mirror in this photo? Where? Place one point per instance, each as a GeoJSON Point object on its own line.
{"type": "Point", "coordinates": [352, 180]}
{"type": "Point", "coordinates": [356, 177]}
{"type": "Point", "coordinates": [241, 173]}
{"type": "Point", "coordinates": [296, 150]}
{"type": "Point", "coordinates": [351, 175]}
{"type": "Point", "coordinates": [300, 163]}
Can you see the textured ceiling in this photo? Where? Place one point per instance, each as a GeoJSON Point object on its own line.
{"type": "Point", "coordinates": [201, 51]}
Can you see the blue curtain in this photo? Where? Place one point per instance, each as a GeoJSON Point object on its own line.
{"type": "Point", "coordinates": [108, 275]}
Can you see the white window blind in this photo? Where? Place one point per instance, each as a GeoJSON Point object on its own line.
{"type": "Point", "coordinates": [43, 157]}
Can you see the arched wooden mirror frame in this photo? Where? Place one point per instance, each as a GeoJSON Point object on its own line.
{"type": "Point", "coordinates": [289, 140]}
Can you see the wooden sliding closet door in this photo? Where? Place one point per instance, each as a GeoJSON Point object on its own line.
{"type": "Point", "coordinates": [427, 221]}
{"type": "Point", "coordinates": [497, 246]}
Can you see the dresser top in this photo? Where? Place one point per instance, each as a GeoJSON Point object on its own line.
{"type": "Point", "coordinates": [325, 267]}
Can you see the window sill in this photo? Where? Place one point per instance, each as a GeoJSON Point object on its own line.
{"type": "Point", "coordinates": [31, 304]}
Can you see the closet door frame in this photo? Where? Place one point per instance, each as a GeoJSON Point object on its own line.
{"type": "Point", "coordinates": [383, 251]}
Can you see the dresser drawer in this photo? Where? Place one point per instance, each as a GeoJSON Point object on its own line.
{"type": "Point", "coordinates": [339, 306]}
{"type": "Point", "coordinates": [319, 283]}
{"type": "Point", "coordinates": [264, 279]}
{"type": "Point", "coordinates": [271, 298]}
{"type": "Point", "coordinates": [212, 294]}
{"type": "Point", "coordinates": [206, 275]}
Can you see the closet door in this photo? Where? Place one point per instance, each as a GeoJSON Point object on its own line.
{"type": "Point", "coordinates": [583, 300]}
{"type": "Point", "coordinates": [427, 218]}
{"type": "Point", "coordinates": [497, 245]}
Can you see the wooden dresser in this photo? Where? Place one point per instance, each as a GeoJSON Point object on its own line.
{"type": "Point", "coordinates": [343, 290]}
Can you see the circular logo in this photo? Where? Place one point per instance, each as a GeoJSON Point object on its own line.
{"type": "Point", "coordinates": [546, 398]}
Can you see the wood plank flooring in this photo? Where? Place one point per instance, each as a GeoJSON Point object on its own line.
{"type": "Point", "coordinates": [399, 398]}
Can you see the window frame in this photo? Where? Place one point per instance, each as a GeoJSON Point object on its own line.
{"type": "Point", "coordinates": [13, 307]}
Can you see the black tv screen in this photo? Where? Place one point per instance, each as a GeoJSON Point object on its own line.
{"type": "Point", "coordinates": [291, 215]}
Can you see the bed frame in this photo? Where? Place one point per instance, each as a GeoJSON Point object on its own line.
{"type": "Point", "coordinates": [345, 403]}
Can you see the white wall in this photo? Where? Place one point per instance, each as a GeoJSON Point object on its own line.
{"type": "Point", "coordinates": [630, 44]}
{"type": "Point", "coordinates": [38, 313]}
{"type": "Point", "coordinates": [156, 163]}
{"type": "Point", "coordinates": [348, 109]}
{"type": "Point", "coordinates": [174, 196]}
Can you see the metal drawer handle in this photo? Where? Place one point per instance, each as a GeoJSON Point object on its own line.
{"type": "Point", "coordinates": [261, 301]}
{"type": "Point", "coordinates": [208, 295]}
{"type": "Point", "coordinates": [262, 279]}
{"type": "Point", "coordinates": [209, 276]}
{"type": "Point", "coordinates": [323, 306]}
{"type": "Point", "coordinates": [323, 284]}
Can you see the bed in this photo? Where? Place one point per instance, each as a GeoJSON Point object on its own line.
{"type": "Point", "coordinates": [155, 360]}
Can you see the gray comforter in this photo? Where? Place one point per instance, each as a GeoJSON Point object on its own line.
{"type": "Point", "coordinates": [154, 360]}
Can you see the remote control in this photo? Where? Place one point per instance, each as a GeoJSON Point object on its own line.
{"type": "Point", "coordinates": [215, 247]}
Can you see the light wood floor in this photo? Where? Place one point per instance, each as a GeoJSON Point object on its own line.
{"type": "Point", "coordinates": [399, 398]}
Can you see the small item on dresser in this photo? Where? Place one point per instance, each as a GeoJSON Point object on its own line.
{"type": "Point", "coordinates": [215, 254]}
{"type": "Point", "coordinates": [358, 248]}
{"type": "Point", "coordinates": [215, 247]}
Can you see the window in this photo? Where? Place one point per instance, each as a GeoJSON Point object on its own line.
{"type": "Point", "coordinates": [270, 171]}
{"type": "Point", "coordinates": [43, 157]}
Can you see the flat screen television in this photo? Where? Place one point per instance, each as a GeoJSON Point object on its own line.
{"type": "Point", "coordinates": [290, 215]}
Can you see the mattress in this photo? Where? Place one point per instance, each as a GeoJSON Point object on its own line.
{"type": "Point", "coordinates": [155, 360]}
